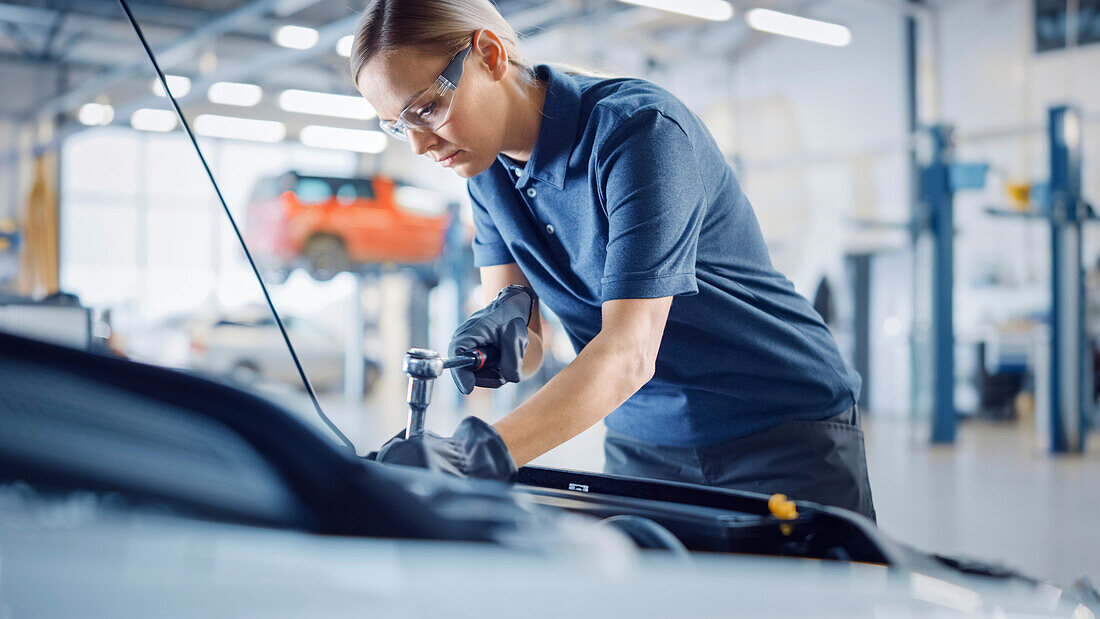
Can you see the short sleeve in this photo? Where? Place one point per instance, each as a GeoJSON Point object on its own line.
{"type": "Point", "coordinates": [655, 205]}
{"type": "Point", "coordinates": [489, 248]}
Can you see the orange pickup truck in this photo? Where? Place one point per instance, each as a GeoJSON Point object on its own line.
{"type": "Point", "coordinates": [328, 224]}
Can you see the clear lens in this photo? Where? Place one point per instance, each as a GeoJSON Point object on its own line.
{"type": "Point", "coordinates": [394, 129]}
{"type": "Point", "coordinates": [427, 112]}
{"type": "Point", "coordinates": [431, 109]}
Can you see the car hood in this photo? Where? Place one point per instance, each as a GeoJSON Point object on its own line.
{"type": "Point", "coordinates": [63, 561]}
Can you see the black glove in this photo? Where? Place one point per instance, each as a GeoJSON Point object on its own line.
{"type": "Point", "coordinates": [503, 325]}
{"type": "Point", "coordinates": [475, 450]}
{"type": "Point", "coordinates": [373, 456]}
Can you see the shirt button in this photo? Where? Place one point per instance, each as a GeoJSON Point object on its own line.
{"type": "Point", "coordinates": [549, 228]}
{"type": "Point", "coordinates": [518, 171]}
{"type": "Point", "coordinates": [531, 192]}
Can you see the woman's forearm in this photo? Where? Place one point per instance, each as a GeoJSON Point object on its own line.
{"type": "Point", "coordinates": [532, 357]}
{"type": "Point", "coordinates": [603, 376]}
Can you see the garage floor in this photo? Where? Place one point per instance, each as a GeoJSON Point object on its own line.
{"type": "Point", "coordinates": [995, 495]}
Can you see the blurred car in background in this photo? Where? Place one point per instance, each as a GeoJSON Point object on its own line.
{"type": "Point", "coordinates": [330, 224]}
{"type": "Point", "coordinates": [248, 350]}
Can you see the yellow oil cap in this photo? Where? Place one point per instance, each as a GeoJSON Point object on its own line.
{"type": "Point", "coordinates": [782, 508]}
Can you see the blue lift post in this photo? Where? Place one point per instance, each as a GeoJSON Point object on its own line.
{"type": "Point", "coordinates": [940, 178]}
{"type": "Point", "coordinates": [1070, 359]}
{"type": "Point", "coordinates": [938, 217]}
{"type": "Point", "coordinates": [1061, 204]}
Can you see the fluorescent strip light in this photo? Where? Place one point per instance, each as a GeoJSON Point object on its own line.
{"type": "Point", "coordinates": [239, 128]}
{"type": "Point", "coordinates": [93, 114]}
{"type": "Point", "coordinates": [714, 10]}
{"type": "Point", "coordinates": [343, 46]}
{"type": "Point", "coordinates": [178, 84]}
{"type": "Point", "coordinates": [325, 104]}
{"type": "Point", "coordinates": [798, 27]}
{"type": "Point", "coordinates": [357, 140]}
{"type": "Point", "coordinates": [295, 37]}
{"type": "Point", "coordinates": [148, 119]}
{"type": "Point", "coordinates": [234, 93]}
{"type": "Point", "coordinates": [283, 8]}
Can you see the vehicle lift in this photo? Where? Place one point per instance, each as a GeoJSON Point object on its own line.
{"type": "Point", "coordinates": [1071, 371]}
{"type": "Point", "coordinates": [937, 178]}
{"type": "Point", "coordinates": [1060, 203]}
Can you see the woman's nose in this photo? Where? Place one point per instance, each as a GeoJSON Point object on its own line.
{"type": "Point", "coordinates": [419, 140]}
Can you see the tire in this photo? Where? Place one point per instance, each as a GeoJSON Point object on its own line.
{"type": "Point", "coordinates": [276, 276]}
{"type": "Point", "coordinates": [245, 372]}
{"type": "Point", "coordinates": [325, 256]}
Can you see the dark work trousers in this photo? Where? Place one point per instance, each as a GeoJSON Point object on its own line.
{"type": "Point", "coordinates": [820, 461]}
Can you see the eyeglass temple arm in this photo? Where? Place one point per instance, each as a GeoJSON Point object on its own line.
{"type": "Point", "coordinates": [453, 72]}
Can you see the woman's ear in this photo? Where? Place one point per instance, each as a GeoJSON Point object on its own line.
{"type": "Point", "coordinates": [490, 50]}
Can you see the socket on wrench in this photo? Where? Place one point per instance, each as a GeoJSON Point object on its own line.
{"type": "Point", "coordinates": [423, 366]}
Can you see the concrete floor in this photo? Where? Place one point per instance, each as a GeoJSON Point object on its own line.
{"type": "Point", "coordinates": [994, 495]}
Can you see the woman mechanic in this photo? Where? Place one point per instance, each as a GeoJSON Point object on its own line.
{"type": "Point", "coordinates": [609, 201]}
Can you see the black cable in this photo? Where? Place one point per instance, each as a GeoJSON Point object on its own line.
{"type": "Point", "coordinates": [236, 230]}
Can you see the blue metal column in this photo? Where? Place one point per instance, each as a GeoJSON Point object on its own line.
{"type": "Point", "coordinates": [937, 195]}
{"type": "Point", "coordinates": [918, 213]}
{"type": "Point", "coordinates": [1069, 358]}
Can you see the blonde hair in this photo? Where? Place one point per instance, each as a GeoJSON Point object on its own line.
{"type": "Point", "coordinates": [444, 27]}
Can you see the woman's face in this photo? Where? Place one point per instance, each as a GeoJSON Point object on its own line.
{"type": "Point", "coordinates": [473, 130]}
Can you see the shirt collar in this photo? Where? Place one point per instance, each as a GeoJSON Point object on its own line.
{"type": "Point", "coordinates": [557, 130]}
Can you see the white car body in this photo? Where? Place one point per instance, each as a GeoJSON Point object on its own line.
{"type": "Point", "coordinates": [250, 349]}
{"type": "Point", "coordinates": [88, 565]}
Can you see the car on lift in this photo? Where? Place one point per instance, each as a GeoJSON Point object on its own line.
{"type": "Point", "coordinates": [329, 224]}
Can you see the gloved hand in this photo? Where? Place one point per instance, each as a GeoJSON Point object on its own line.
{"type": "Point", "coordinates": [475, 450]}
{"type": "Point", "coordinates": [501, 324]}
{"type": "Point", "coordinates": [373, 456]}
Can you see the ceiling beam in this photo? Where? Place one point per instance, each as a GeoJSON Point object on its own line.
{"type": "Point", "coordinates": [181, 49]}
{"type": "Point", "coordinates": [16, 14]}
{"type": "Point", "coordinates": [255, 65]}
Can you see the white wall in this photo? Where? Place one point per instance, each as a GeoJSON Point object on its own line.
{"type": "Point", "coordinates": [991, 80]}
{"type": "Point", "coordinates": [142, 230]}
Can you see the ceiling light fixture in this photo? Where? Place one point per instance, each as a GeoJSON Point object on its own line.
{"type": "Point", "coordinates": [233, 128]}
{"type": "Point", "coordinates": [326, 104]}
{"type": "Point", "coordinates": [714, 10]}
{"type": "Point", "coordinates": [343, 46]}
{"type": "Point", "coordinates": [234, 93]}
{"type": "Point", "coordinates": [797, 27]}
{"type": "Point", "coordinates": [93, 114]}
{"type": "Point", "coordinates": [178, 84]}
{"type": "Point", "coordinates": [149, 119]}
{"type": "Point", "coordinates": [357, 140]}
{"type": "Point", "coordinates": [295, 37]}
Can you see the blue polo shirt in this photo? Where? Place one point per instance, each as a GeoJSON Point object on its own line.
{"type": "Point", "coordinates": [627, 196]}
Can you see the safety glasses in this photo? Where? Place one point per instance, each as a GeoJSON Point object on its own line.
{"type": "Point", "coordinates": [431, 107]}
